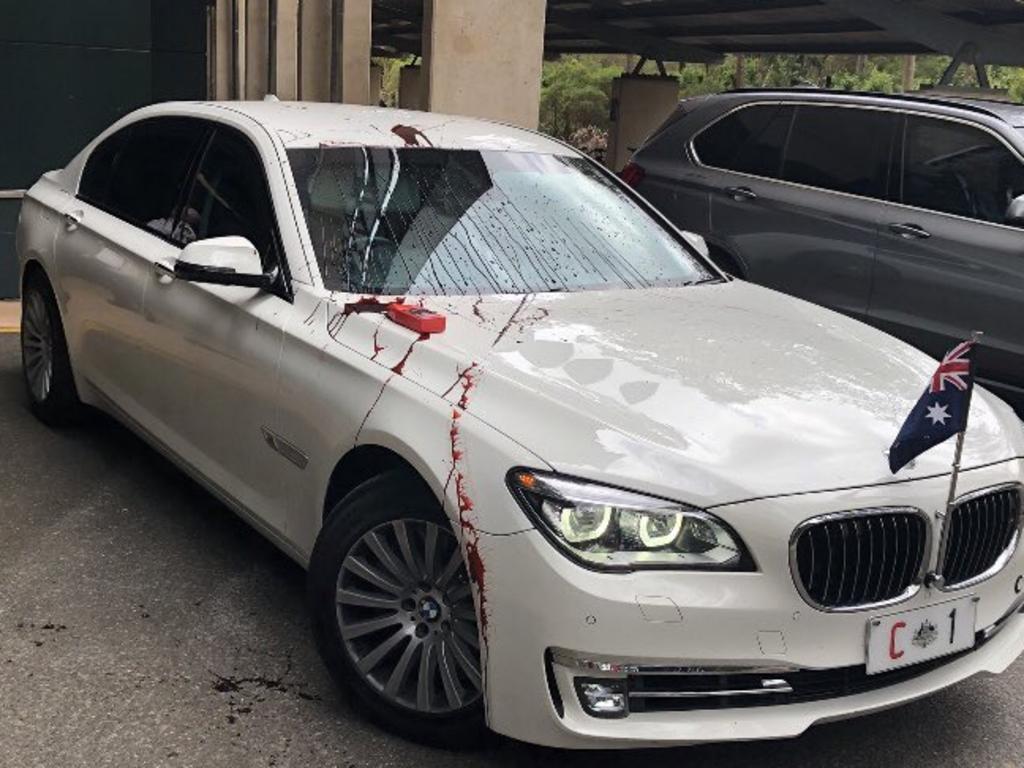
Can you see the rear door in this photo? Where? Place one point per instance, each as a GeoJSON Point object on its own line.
{"type": "Point", "coordinates": [129, 193]}
{"type": "Point", "coordinates": [798, 196]}
{"type": "Point", "coordinates": [948, 264]}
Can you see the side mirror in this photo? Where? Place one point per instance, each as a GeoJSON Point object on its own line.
{"type": "Point", "coordinates": [223, 261]}
{"type": "Point", "coordinates": [1015, 212]}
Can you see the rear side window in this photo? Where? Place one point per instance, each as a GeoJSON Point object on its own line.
{"type": "Point", "coordinates": [842, 149]}
{"type": "Point", "coordinates": [953, 168]}
{"type": "Point", "coordinates": [139, 173]}
{"type": "Point", "coordinates": [750, 140]}
{"type": "Point", "coordinates": [230, 197]}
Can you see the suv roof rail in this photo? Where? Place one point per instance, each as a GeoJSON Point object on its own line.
{"type": "Point", "coordinates": [960, 101]}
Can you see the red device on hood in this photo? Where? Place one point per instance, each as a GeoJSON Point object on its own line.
{"type": "Point", "coordinates": [418, 319]}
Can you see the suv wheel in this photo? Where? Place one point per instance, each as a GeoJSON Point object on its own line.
{"type": "Point", "coordinates": [393, 612]}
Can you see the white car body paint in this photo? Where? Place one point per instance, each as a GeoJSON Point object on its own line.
{"type": "Point", "coordinates": [765, 409]}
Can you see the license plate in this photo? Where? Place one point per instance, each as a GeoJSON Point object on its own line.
{"type": "Point", "coordinates": [912, 637]}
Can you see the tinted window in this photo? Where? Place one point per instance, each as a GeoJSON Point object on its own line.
{"type": "Point", "coordinates": [138, 174]}
{"type": "Point", "coordinates": [749, 140]}
{"type": "Point", "coordinates": [840, 148]}
{"type": "Point", "coordinates": [458, 222]}
{"type": "Point", "coordinates": [230, 196]}
{"type": "Point", "coordinates": [954, 168]}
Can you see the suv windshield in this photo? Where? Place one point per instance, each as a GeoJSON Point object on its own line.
{"type": "Point", "coordinates": [430, 221]}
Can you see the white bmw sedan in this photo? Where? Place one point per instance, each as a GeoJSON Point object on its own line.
{"type": "Point", "coordinates": [548, 469]}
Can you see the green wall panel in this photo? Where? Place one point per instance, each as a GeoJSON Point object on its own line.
{"type": "Point", "coordinates": [72, 67]}
{"type": "Point", "coordinates": [8, 266]}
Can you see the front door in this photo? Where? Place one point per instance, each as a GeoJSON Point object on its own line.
{"type": "Point", "coordinates": [219, 347]}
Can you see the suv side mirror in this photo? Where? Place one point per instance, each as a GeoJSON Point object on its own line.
{"type": "Point", "coordinates": [1015, 212]}
{"type": "Point", "coordinates": [223, 261]}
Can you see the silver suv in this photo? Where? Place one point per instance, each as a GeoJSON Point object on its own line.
{"type": "Point", "coordinates": [903, 211]}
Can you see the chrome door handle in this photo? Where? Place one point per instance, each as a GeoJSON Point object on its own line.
{"type": "Point", "coordinates": [72, 219]}
{"type": "Point", "coordinates": [739, 194]}
{"type": "Point", "coordinates": [910, 231]}
{"type": "Point", "coordinates": [164, 271]}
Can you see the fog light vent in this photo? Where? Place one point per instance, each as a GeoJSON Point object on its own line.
{"type": "Point", "coordinates": [603, 698]}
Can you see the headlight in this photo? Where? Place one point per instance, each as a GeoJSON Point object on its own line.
{"type": "Point", "coordinates": [611, 529]}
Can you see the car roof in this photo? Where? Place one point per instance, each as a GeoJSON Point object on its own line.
{"type": "Point", "coordinates": [317, 124]}
{"type": "Point", "coordinates": [1008, 112]}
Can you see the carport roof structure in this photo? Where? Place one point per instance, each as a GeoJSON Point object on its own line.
{"type": "Point", "coordinates": [704, 30]}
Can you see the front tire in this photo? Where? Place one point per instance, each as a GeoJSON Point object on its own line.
{"type": "Point", "coordinates": [393, 612]}
{"type": "Point", "coordinates": [45, 364]}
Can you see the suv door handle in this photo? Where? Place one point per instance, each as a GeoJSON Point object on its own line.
{"type": "Point", "coordinates": [739, 194]}
{"type": "Point", "coordinates": [72, 219]}
{"type": "Point", "coordinates": [910, 231]}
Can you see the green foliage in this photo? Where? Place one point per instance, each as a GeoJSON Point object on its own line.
{"type": "Point", "coordinates": [576, 93]}
{"type": "Point", "coordinates": [576, 89]}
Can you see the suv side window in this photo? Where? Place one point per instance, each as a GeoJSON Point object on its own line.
{"type": "Point", "coordinates": [954, 168]}
{"type": "Point", "coordinates": [843, 149]}
{"type": "Point", "coordinates": [140, 172]}
{"type": "Point", "coordinates": [230, 196]}
{"type": "Point", "coordinates": [750, 140]}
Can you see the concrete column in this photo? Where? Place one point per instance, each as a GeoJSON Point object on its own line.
{"type": "Point", "coordinates": [640, 103]}
{"type": "Point", "coordinates": [286, 50]}
{"type": "Point", "coordinates": [224, 50]}
{"type": "Point", "coordinates": [741, 71]}
{"type": "Point", "coordinates": [352, 51]}
{"type": "Point", "coordinates": [315, 49]}
{"type": "Point", "coordinates": [909, 65]}
{"type": "Point", "coordinates": [376, 84]}
{"type": "Point", "coordinates": [257, 48]}
{"type": "Point", "coordinates": [483, 58]}
{"type": "Point", "coordinates": [410, 88]}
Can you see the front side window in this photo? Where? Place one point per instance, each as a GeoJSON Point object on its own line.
{"type": "Point", "coordinates": [750, 140]}
{"type": "Point", "coordinates": [842, 149]}
{"type": "Point", "coordinates": [954, 168]}
{"type": "Point", "coordinates": [461, 222]}
{"type": "Point", "coordinates": [138, 174]}
{"type": "Point", "coordinates": [229, 196]}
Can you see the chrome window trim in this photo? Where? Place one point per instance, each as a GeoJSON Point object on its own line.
{"type": "Point", "coordinates": [915, 585]}
{"type": "Point", "coordinates": [1003, 560]}
{"type": "Point", "coordinates": [691, 150]}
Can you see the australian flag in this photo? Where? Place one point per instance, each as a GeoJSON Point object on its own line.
{"type": "Point", "coordinates": [942, 410]}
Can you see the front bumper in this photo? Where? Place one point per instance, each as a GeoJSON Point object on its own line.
{"type": "Point", "coordinates": [541, 606]}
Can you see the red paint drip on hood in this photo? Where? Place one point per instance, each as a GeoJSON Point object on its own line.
{"type": "Point", "coordinates": [369, 304]}
{"type": "Point", "coordinates": [400, 365]}
{"type": "Point", "coordinates": [471, 536]}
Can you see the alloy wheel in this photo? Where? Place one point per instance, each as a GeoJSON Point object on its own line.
{"type": "Point", "coordinates": [406, 616]}
{"type": "Point", "coordinates": [37, 345]}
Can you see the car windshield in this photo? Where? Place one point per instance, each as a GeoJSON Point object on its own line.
{"type": "Point", "coordinates": [425, 221]}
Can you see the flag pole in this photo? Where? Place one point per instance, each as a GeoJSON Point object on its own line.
{"type": "Point", "coordinates": [957, 453]}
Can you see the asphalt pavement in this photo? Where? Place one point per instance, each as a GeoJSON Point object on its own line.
{"type": "Point", "coordinates": [143, 624]}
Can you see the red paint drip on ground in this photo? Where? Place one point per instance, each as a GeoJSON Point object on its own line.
{"type": "Point", "coordinates": [400, 365]}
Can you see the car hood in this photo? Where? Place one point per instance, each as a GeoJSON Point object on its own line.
{"type": "Point", "coordinates": [715, 393]}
